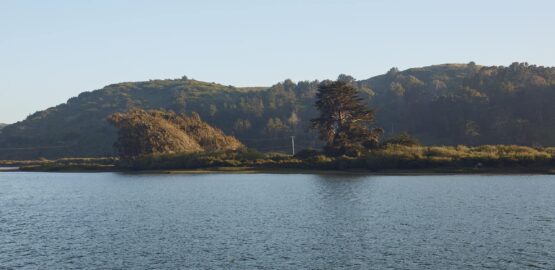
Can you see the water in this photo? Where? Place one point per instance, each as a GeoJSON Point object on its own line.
{"type": "Point", "coordinates": [270, 221]}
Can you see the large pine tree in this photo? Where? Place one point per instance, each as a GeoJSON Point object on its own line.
{"type": "Point", "coordinates": [344, 120]}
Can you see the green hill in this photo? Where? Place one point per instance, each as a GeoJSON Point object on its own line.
{"type": "Point", "coordinates": [468, 104]}
{"type": "Point", "coordinates": [257, 116]}
{"type": "Point", "coordinates": [443, 104]}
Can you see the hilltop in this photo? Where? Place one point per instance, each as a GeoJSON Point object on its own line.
{"type": "Point", "coordinates": [79, 127]}
{"type": "Point", "coordinates": [443, 104]}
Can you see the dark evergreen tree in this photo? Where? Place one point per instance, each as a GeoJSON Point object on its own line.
{"type": "Point", "coordinates": [344, 120]}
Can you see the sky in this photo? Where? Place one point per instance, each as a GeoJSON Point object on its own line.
{"type": "Point", "coordinates": [53, 50]}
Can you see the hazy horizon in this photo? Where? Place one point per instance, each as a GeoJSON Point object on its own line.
{"type": "Point", "coordinates": [52, 51]}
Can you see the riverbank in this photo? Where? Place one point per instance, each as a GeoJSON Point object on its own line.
{"type": "Point", "coordinates": [254, 170]}
{"type": "Point", "coordinates": [444, 171]}
{"type": "Point", "coordinates": [390, 159]}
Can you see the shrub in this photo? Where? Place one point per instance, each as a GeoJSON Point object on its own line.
{"type": "Point", "coordinates": [402, 139]}
{"type": "Point", "coordinates": [307, 153]}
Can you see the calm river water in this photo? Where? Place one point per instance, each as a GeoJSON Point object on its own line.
{"type": "Point", "coordinates": [272, 221]}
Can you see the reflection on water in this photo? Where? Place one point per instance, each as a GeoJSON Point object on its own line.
{"type": "Point", "coordinates": [53, 221]}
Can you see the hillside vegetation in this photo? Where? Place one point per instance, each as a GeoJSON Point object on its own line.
{"type": "Point", "coordinates": [468, 104]}
{"type": "Point", "coordinates": [392, 158]}
{"type": "Point", "coordinates": [401, 158]}
{"type": "Point", "coordinates": [155, 132]}
{"type": "Point", "coordinates": [439, 105]}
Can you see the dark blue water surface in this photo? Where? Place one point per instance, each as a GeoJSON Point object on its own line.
{"type": "Point", "coordinates": [272, 221]}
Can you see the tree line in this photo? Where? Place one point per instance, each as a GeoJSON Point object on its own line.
{"type": "Point", "coordinates": [439, 105]}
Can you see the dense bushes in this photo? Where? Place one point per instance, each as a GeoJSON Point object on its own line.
{"type": "Point", "coordinates": [307, 153]}
{"type": "Point", "coordinates": [389, 157]}
{"type": "Point", "coordinates": [410, 157]}
{"type": "Point", "coordinates": [154, 132]}
{"type": "Point", "coordinates": [402, 139]}
{"type": "Point", "coordinates": [502, 158]}
{"type": "Point", "coordinates": [242, 158]}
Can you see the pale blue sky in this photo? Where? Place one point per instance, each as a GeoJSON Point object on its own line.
{"type": "Point", "coordinates": [53, 50]}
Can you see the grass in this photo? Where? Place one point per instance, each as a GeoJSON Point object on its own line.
{"type": "Point", "coordinates": [496, 158]}
{"type": "Point", "coordinates": [390, 159]}
{"type": "Point", "coordinates": [64, 164]}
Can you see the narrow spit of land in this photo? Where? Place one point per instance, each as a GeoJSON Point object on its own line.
{"type": "Point", "coordinates": [392, 159]}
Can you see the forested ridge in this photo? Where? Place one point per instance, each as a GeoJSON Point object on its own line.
{"type": "Point", "coordinates": [439, 105]}
{"type": "Point", "coordinates": [468, 104]}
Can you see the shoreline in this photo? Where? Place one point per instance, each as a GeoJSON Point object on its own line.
{"type": "Point", "coordinates": [254, 170]}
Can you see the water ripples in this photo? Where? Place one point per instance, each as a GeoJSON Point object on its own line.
{"type": "Point", "coordinates": [106, 220]}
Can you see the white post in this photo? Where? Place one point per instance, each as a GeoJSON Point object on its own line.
{"type": "Point", "coordinates": [293, 144]}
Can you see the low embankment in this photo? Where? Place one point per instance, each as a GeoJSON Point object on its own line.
{"type": "Point", "coordinates": [494, 158]}
{"type": "Point", "coordinates": [391, 158]}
